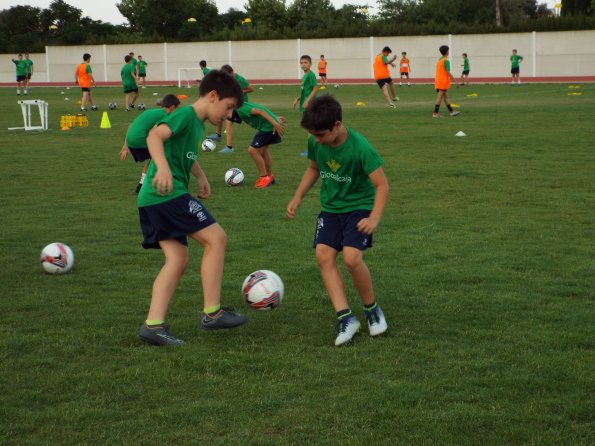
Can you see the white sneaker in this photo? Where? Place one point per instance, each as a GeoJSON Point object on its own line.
{"type": "Point", "coordinates": [376, 321]}
{"type": "Point", "coordinates": [347, 327]}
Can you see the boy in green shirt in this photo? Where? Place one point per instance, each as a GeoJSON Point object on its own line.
{"type": "Point", "coordinates": [135, 142]}
{"type": "Point", "coordinates": [142, 70]}
{"type": "Point", "coordinates": [353, 195]}
{"type": "Point", "coordinates": [128, 75]}
{"type": "Point", "coordinates": [270, 130]}
{"type": "Point", "coordinates": [21, 68]}
{"type": "Point", "coordinates": [168, 213]}
{"type": "Point", "coordinates": [308, 88]}
{"type": "Point", "coordinates": [29, 63]}
{"type": "Point", "coordinates": [515, 68]}
{"type": "Point", "coordinates": [466, 69]}
{"type": "Point", "coordinates": [246, 88]}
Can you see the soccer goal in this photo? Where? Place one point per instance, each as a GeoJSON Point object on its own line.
{"type": "Point", "coordinates": [188, 76]}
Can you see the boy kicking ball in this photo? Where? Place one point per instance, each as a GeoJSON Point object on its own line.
{"type": "Point", "coordinates": [168, 213]}
{"type": "Point", "coordinates": [353, 196]}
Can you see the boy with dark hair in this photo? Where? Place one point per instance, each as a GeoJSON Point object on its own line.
{"type": "Point", "coordinates": [83, 76]}
{"type": "Point", "coordinates": [128, 74]}
{"type": "Point", "coordinates": [405, 69]}
{"type": "Point", "coordinates": [466, 70]}
{"type": "Point", "coordinates": [21, 72]}
{"type": "Point", "coordinates": [135, 142]}
{"type": "Point", "coordinates": [168, 213]}
{"type": "Point", "coordinates": [382, 75]}
{"type": "Point", "coordinates": [515, 67]}
{"type": "Point", "coordinates": [322, 63]}
{"type": "Point", "coordinates": [246, 88]}
{"type": "Point", "coordinates": [353, 195]}
{"type": "Point", "coordinates": [270, 130]}
{"type": "Point", "coordinates": [442, 82]}
{"type": "Point", "coordinates": [142, 71]}
{"type": "Point", "coordinates": [309, 87]}
{"type": "Point", "coordinates": [29, 64]}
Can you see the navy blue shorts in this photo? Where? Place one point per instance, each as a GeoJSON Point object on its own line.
{"type": "Point", "coordinates": [262, 139]}
{"type": "Point", "coordinates": [140, 154]}
{"type": "Point", "coordinates": [174, 219]}
{"type": "Point", "coordinates": [131, 90]}
{"type": "Point", "coordinates": [21, 78]}
{"type": "Point", "coordinates": [516, 70]}
{"type": "Point", "coordinates": [339, 230]}
{"type": "Point", "coordinates": [465, 72]}
{"type": "Point", "coordinates": [382, 82]}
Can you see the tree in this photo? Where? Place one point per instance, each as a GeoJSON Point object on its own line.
{"type": "Point", "coordinates": [271, 14]}
{"type": "Point", "coordinates": [578, 7]}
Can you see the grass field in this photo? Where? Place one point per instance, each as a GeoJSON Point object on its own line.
{"type": "Point", "coordinates": [483, 264]}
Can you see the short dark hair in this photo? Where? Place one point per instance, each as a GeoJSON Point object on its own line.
{"type": "Point", "coordinates": [224, 84]}
{"type": "Point", "coordinates": [131, 53]}
{"type": "Point", "coordinates": [168, 100]}
{"type": "Point", "coordinates": [387, 49]}
{"type": "Point", "coordinates": [227, 68]}
{"type": "Point", "coordinates": [86, 56]}
{"type": "Point", "coordinates": [127, 58]}
{"type": "Point", "coordinates": [322, 114]}
{"type": "Point", "coordinates": [465, 54]}
{"type": "Point", "coordinates": [443, 50]}
{"type": "Point", "coordinates": [308, 58]}
{"type": "Point", "coordinates": [203, 63]}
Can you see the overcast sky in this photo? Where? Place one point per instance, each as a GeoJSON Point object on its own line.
{"type": "Point", "coordinates": [106, 11]}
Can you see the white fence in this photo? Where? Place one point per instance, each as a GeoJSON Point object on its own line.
{"type": "Point", "coordinates": [547, 54]}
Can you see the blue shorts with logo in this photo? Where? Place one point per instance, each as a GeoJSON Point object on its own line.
{"type": "Point", "coordinates": [140, 153]}
{"type": "Point", "coordinates": [174, 219]}
{"type": "Point", "coordinates": [339, 230]}
{"type": "Point", "coordinates": [262, 139]}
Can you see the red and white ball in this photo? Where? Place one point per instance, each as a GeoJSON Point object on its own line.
{"type": "Point", "coordinates": [208, 145]}
{"type": "Point", "coordinates": [234, 177]}
{"type": "Point", "coordinates": [57, 258]}
{"type": "Point", "coordinates": [263, 290]}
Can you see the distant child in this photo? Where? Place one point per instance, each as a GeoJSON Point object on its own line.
{"type": "Point", "coordinates": [405, 68]}
{"type": "Point", "coordinates": [128, 75]}
{"type": "Point", "coordinates": [309, 87]}
{"type": "Point", "coordinates": [270, 130]}
{"type": "Point", "coordinates": [442, 82]}
{"type": "Point", "coordinates": [466, 69]}
{"type": "Point", "coordinates": [142, 71]}
{"type": "Point", "coordinates": [168, 213]}
{"type": "Point", "coordinates": [382, 75]}
{"type": "Point", "coordinates": [322, 63]}
{"type": "Point", "coordinates": [135, 142]}
{"type": "Point", "coordinates": [203, 68]}
{"type": "Point", "coordinates": [353, 195]}
{"type": "Point", "coordinates": [134, 63]}
{"type": "Point", "coordinates": [29, 64]}
{"type": "Point", "coordinates": [246, 88]}
{"type": "Point", "coordinates": [515, 69]}
{"type": "Point", "coordinates": [83, 76]}
{"type": "Point", "coordinates": [21, 72]}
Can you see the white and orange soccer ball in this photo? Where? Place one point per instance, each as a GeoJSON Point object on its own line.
{"type": "Point", "coordinates": [57, 258]}
{"type": "Point", "coordinates": [263, 290]}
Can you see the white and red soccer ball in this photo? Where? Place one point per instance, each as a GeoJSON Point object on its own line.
{"type": "Point", "coordinates": [263, 290]}
{"type": "Point", "coordinates": [57, 258]}
{"type": "Point", "coordinates": [234, 177]}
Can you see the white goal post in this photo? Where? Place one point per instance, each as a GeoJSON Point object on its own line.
{"type": "Point", "coordinates": [188, 76]}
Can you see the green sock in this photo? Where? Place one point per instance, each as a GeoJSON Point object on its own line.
{"type": "Point", "coordinates": [154, 322]}
{"type": "Point", "coordinates": [211, 310]}
{"type": "Point", "coordinates": [370, 307]}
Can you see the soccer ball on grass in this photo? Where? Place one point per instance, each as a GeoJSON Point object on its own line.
{"type": "Point", "coordinates": [234, 177]}
{"type": "Point", "coordinates": [263, 290]}
{"type": "Point", "coordinates": [57, 258]}
{"type": "Point", "coordinates": [208, 145]}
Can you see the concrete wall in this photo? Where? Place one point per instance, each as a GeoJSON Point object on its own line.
{"type": "Point", "coordinates": [569, 53]}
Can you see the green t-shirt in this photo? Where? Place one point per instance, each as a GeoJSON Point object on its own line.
{"type": "Point", "coordinates": [142, 67]}
{"type": "Point", "coordinates": [345, 172]}
{"type": "Point", "coordinates": [29, 64]}
{"type": "Point", "coordinates": [21, 66]}
{"type": "Point", "coordinates": [447, 65]}
{"type": "Point", "coordinates": [128, 82]}
{"type": "Point", "coordinates": [466, 64]}
{"type": "Point", "coordinates": [308, 83]}
{"type": "Point", "coordinates": [181, 150]}
{"type": "Point", "coordinates": [136, 136]}
{"type": "Point", "coordinates": [515, 60]}
{"type": "Point", "coordinates": [243, 83]}
{"type": "Point", "coordinates": [256, 121]}
{"type": "Point", "coordinates": [206, 70]}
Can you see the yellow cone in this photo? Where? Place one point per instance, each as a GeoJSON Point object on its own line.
{"type": "Point", "coordinates": [105, 121]}
{"type": "Point", "coordinates": [360, 104]}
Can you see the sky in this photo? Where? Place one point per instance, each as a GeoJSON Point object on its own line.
{"type": "Point", "coordinates": [106, 11]}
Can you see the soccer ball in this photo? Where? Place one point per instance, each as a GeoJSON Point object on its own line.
{"type": "Point", "coordinates": [141, 106]}
{"type": "Point", "coordinates": [57, 258]}
{"type": "Point", "coordinates": [234, 177]}
{"type": "Point", "coordinates": [263, 290]}
{"type": "Point", "coordinates": [337, 85]}
{"type": "Point", "coordinates": [208, 145]}
{"type": "Point", "coordinates": [112, 105]}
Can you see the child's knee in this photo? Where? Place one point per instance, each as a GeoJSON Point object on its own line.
{"type": "Point", "coordinates": [353, 260]}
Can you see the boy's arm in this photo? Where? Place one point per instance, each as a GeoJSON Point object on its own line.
{"type": "Point", "coordinates": [310, 96]}
{"type": "Point", "coordinates": [369, 224]}
{"type": "Point", "coordinates": [277, 127]}
{"type": "Point", "coordinates": [163, 181]}
{"type": "Point", "coordinates": [204, 188]}
{"type": "Point", "coordinates": [308, 179]}
{"type": "Point", "coordinates": [248, 89]}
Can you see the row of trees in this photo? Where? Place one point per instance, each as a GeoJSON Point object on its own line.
{"type": "Point", "coordinates": [27, 28]}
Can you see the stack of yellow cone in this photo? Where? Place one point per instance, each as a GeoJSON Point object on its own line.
{"type": "Point", "coordinates": [105, 124]}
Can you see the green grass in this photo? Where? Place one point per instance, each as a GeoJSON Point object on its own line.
{"type": "Point", "coordinates": [483, 264]}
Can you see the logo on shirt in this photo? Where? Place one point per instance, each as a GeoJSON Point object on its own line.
{"type": "Point", "coordinates": [334, 165]}
{"type": "Point", "coordinates": [334, 176]}
{"type": "Point", "coordinates": [192, 156]}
